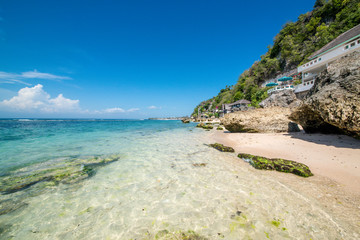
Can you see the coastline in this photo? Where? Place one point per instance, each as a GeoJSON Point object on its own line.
{"type": "Point", "coordinates": [336, 157]}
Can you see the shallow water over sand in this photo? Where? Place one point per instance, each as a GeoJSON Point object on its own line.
{"type": "Point", "coordinates": [155, 186]}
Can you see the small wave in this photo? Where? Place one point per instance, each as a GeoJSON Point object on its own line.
{"type": "Point", "coordinates": [25, 120]}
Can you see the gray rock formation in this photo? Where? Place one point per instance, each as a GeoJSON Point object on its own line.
{"type": "Point", "coordinates": [274, 119]}
{"type": "Point", "coordinates": [333, 104]}
{"type": "Point", "coordinates": [285, 98]}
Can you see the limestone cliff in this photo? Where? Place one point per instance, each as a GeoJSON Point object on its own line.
{"type": "Point", "coordinates": [285, 98]}
{"type": "Point", "coordinates": [274, 119]}
{"type": "Point", "coordinates": [333, 104]}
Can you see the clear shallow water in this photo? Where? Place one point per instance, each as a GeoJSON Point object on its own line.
{"type": "Point", "coordinates": [154, 186]}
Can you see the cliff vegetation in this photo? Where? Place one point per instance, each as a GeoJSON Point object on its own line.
{"type": "Point", "coordinates": [295, 42]}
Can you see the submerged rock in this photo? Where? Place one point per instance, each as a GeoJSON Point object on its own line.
{"type": "Point", "coordinates": [199, 164]}
{"type": "Point", "coordinates": [221, 147]}
{"type": "Point", "coordinates": [333, 104]}
{"type": "Point", "coordinates": [10, 205]}
{"type": "Point", "coordinates": [64, 171]}
{"type": "Point", "coordinates": [277, 164]}
{"type": "Point", "coordinates": [274, 119]}
{"type": "Point", "coordinates": [189, 235]}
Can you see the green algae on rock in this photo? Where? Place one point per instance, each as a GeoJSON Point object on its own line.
{"type": "Point", "coordinates": [185, 120]}
{"type": "Point", "coordinates": [179, 235]}
{"type": "Point", "coordinates": [221, 147]}
{"type": "Point", "coordinates": [59, 171]}
{"type": "Point", "coordinates": [277, 164]}
{"type": "Point", "coordinates": [219, 128]}
{"type": "Point", "coordinates": [205, 126]}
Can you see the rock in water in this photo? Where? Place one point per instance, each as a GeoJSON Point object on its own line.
{"type": "Point", "coordinates": [53, 172]}
{"type": "Point", "coordinates": [277, 164]}
{"type": "Point", "coordinates": [274, 119]}
{"type": "Point", "coordinates": [285, 98]}
{"type": "Point", "coordinates": [185, 120]}
{"type": "Point", "coordinates": [221, 147]}
{"type": "Point", "coordinates": [333, 104]}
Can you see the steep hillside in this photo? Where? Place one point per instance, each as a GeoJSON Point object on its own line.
{"type": "Point", "coordinates": [292, 46]}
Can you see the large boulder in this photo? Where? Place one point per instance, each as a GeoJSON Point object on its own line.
{"type": "Point", "coordinates": [333, 104]}
{"type": "Point", "coordinates": [285, 98]}
{"type": "Point", "coordinates": [273, 119]}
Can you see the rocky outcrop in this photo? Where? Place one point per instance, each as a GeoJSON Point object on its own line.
{"type": "Point", "coordinates": [61, 171]}
{"type": "Point", "coordinates": [274, 119]}
{"type": "Point", "coordinates": [277, 164]}
{"type": "Point", "coordinates": [185, 120]}
{"type": "Point", "coordinates": [333, 104]}
{"type": "Point", "coordinates": [221, 147]}
{"type": "Point", "coordinates": [285, 98]}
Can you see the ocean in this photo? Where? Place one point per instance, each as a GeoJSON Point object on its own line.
{"type": "Point", "coordinates": [164, 182]}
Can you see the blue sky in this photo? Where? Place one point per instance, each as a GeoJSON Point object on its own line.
{"type": "Point", "coordinates": [129, 59]}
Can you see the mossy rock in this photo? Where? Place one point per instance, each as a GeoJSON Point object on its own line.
{"type": "Point", "coordinates": [62, 171]}
{"type": "Point", "coordinates": [179, 235]}
{"type": "Point", "coordinates": [277, 164]}
{"type": "Point", "coordinates": [200, 125]}
{"type": "Point", "coordinates": [219, 128]}
{"type": "Point", "coordinates": [205, 126]}
{"type": "Point", "coordinates": [185, 120]}
{"type": "Point", "coordinates": [222, 148]}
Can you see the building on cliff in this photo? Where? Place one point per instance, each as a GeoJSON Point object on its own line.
{"type": "Point", "coordinates": [235, 106]}
{"type": "Point", "coordinates": [319, 60]}
{"type": "Point", "coordinates": [282, 82]}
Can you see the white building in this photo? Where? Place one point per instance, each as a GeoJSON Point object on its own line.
{"type": "Point", "coordinates": [319, 60]}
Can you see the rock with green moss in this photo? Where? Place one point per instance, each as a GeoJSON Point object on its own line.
{"type": "Point", "coordinates": [221, 147]}
{"type": "Point", "coordinates": [185, 120]}
{"type": "Point", "coordinates": [205, 126]}
{"type": "Point", "coordinates": [200, 125]}
{"type": "Point", "coordinates": [219, 128]}
{"type": "Point", "coordinates": [179, 235]}
{"type": "Point", "coordinates": [277, 164]}
{"type": "Point", "coordinates": [53, 172]}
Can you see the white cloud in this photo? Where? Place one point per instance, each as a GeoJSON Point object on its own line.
{"type": "Point", "coordinates": [154, 107]}
{"type": "Point", "coordinates": [133, 109]}
{"type": "Point", "coordinates": [40, 75]}
{"type": "Point", "coordinates": [114, 110]}
{"type": "Point", "coordinates": [6, 77]}
{"type": "Point", "coordinates": [120, 110]}
{"type": "Point", "coordinates": [35, 99]}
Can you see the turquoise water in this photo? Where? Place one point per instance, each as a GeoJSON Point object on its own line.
{"type": "Point", "coordinates": [165, 179]}
{"type": "Point", "coordinates": [27, 141]}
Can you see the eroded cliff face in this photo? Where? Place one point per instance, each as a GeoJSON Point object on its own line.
{"type": "Point", "coordinates": [285, 98]}
{"type": "Point", "coordinates": [333, 104]}
{"type": "Point", "coordinates": [273, 119]}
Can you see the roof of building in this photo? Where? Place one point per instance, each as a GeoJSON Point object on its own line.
{"type": "Point", "coordinates": [348, 35]}
{"type": "Point", "coordinates": [301, 88]}
{"type": "Point", "coordinates": [242, 101]}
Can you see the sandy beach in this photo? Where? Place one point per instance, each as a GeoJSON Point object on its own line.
{"type": "Point", "coordinates": [333, 159]}
{"type": "Point", "coordinates": [336, 157]}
